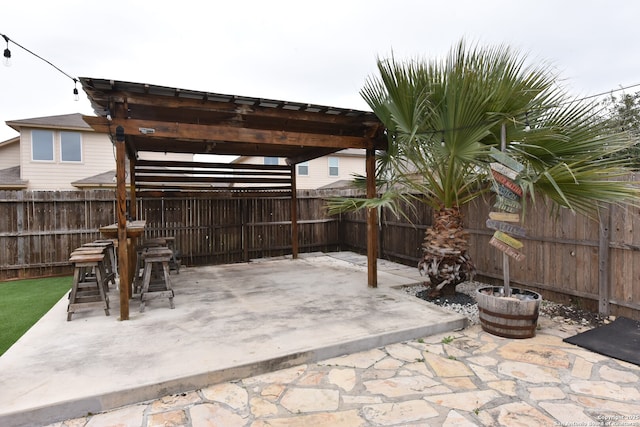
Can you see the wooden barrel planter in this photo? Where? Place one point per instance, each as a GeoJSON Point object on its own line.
{"type": "Point", "coordinates": [512, 317]}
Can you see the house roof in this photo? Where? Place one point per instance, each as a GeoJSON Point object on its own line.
{"type": "Point", "coordinates": [10, 179]}
{"type": "Point", "coordinates": [14, 140]}
{"type": "Point", "coordinates": [104, 179]}
{"type": "Point", "coordinates": [339, 185]}
{"type": "Point", "coordinates": [65, 121]}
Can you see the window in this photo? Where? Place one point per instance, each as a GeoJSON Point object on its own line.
{"type": "Point", "coordinates": [333, 166]}
{"type": "Point", "coordinates": [303, 168]}
{"type": "Point", "coordinates": [270, 160]}
{"type": "Point", "coordinates": [42, 145]}
{"type": "Point", "coordinates": [70, 147]}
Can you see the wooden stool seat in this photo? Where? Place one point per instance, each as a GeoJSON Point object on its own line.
{"type": "Point", "coordinates": [160, 288]}
{"type": "Point", "coordinates": [154, 242]}
{"type": "Point", "coordinates": [87, 251]}
{"type": "Point", "coordinates": [88, 290]}
{"type": "Point", "coordinates": [110, 262]}
{"type": "Point", "coordinates": [108, 272]}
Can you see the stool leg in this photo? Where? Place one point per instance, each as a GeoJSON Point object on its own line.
{"type": "Point", "coordinates": [101, 282]}
{"type": "Point", "coordinates": [146, 278]}
{"type": "Point", "coordinates": [167, 281]}
{"type": "Point", "coordinates": [74, 290]}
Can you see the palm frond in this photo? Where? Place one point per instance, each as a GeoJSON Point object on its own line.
{"type": "Point", "coordinates": [442, 116]}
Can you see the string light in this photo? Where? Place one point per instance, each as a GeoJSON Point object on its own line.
{"type": "Point", "coordinates": [7, 53]}
{"type": "Point", "coordinates": [76, 96]}
{"type": "Point", "coordinates": [7, 62]}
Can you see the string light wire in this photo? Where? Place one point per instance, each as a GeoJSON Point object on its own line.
{"type": "Point", "coordinates": [74, 79]}
{"type": "Point", "coordinates": [76, 95]}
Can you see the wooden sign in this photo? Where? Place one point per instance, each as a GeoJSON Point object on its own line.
{"type": "Point", "coordinates": [500, 168]}
{"type": "Point", "coordinates": [504, 216]}
{"type": "Point", "coordinates": [502, 206]}
{"type": "Point", "coordinates": [511, 203]}
{"type": "Point", "coordinates": [505, 238]}
{"type": "Point", "coordinates": [506, 227]}
{"type": "Point", "coordinates": [506, 160]}
{"type": "Point", "coordinates": [513, 253]}
{"type": "Point", "coordinates": [507, 182]}
{"type": "Point", "coordinates": [504, 173]}
{"type": "Point", "coordinates": [503, 191]}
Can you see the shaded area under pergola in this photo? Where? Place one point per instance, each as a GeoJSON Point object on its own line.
{"type": "Point", "coordinates": [147, 118]}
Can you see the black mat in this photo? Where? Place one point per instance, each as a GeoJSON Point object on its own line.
{"type": "Point", "coordinates": [619, 339]}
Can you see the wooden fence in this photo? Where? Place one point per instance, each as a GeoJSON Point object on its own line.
{"type": "Point", "coordinates": [568, 257]}
{"type": "Point", "coordinates": [38, 230]}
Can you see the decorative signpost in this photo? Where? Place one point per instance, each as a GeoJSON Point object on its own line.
{"type": "Point", "coordinates": [506, 312]}
{"type": "Point", "coordinates": [505, 171]}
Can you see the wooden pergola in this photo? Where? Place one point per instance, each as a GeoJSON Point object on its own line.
{"type": "Point", "coordinates": [147, 118]}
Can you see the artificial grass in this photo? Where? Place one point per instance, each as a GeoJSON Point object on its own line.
{"type": "Point", "coordinates": [24, 302]}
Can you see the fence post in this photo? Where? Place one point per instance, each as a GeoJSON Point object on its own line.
{"type": "Point", "coordinates": [20, 228]}
{"type": "Point", "coordinates": [603, 261]}
{"type": "Point", "coordinates": [245, 230]}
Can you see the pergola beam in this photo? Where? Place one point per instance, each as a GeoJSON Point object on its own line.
{"type": "Point", "coordinates": [195, 132]}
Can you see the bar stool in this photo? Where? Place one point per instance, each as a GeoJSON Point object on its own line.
{"type": "Point", "coordinates": [175, 262]}
{"type": "Point", "coordinates": [156, 287]}
{"type": "Point", "coordinates": [89, 274]}
{"type": "Point", "coordinates": [88, 290]}
{"type": "Point", "coordinates": [110, 258]}
{"type": "Point", "coordinates": [139, 272]}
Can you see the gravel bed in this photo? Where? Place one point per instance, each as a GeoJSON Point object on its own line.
{"type": "Point", "coordinates": [464, 302]}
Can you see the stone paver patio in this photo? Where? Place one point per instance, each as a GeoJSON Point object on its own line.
{"type": "Point", "coordinates": [464, 378]}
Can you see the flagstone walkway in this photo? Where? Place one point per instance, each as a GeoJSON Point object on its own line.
{"type": "Point", "coordinates": [465, 378]}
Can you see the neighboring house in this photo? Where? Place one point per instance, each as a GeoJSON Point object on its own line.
{"type": "Point", "coordinates": [9, 169]}
{"type": "Point", "coordinates": [335, 170]}
{"type": "Point", "coordinates": [59, 153]}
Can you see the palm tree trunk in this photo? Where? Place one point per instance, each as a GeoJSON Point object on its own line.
{"type": "Point", "coordinates": [445, 261]}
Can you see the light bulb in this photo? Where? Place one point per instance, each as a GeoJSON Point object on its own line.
{"type": "Point", "coordinates": [7, 58]}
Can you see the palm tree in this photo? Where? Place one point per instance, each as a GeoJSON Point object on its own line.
{"type": "Point", "coordinates": [443, 117]}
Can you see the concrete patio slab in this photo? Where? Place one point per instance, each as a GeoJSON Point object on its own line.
{"type": "Point", "coordinates": [230, 322]}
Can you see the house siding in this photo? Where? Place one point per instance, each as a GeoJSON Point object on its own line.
{"type": "Point", "coordinates": [319, 169]}
{"type": "Point", "coordinates": [9, 155]}
{"type": "Point", "coordinates": [147, 155]}
{"type": "Point", "coordinates": [98, 154]}
{"type": "Point", "coordinates": [97, 157]}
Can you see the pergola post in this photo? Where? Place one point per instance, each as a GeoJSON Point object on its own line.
{"type": "Point", "coordinates": [372, 221]}
{"type": "Point", "coordinates": [133, 206]}
{"type": "Point", "coordinates": [294, 214]}
{"type": "Point", "coordinates": [121, 208]}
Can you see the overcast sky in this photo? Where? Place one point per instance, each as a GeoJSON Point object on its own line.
{"type": "Point", "coordinates": [317, 52]}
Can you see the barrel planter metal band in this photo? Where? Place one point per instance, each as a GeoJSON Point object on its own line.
{"type": "Point", "coordinates": [513, 317]}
